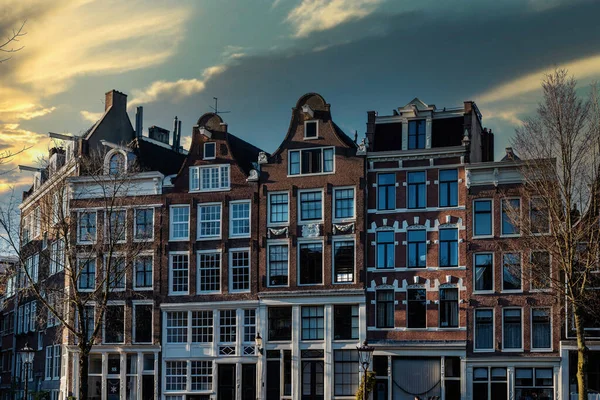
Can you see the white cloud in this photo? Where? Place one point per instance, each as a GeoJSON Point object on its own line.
{"type": "Point", "coordinates": [174, 91]}
{"type": "Point", "coordinates": [582, 69]}
{"type": "Point", "coordinates": [89, 116]}
{"type": "Point", "coordinates": [320, 15]}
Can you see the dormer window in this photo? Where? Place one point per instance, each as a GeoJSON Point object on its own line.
{"type": "Point", "coordinates": [116, 164]}
{"type": "Point", "coordinates": [416, 134]}
{"type": "Point", "coordinates": [310, 129]}
{"type": "Point", "coordinates": [209, 150]}
{"type": "Point", "coordinates": [209, 178]}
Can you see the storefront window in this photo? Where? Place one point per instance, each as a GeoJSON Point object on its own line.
{"type": "Point", "coordinates": [533, 383]}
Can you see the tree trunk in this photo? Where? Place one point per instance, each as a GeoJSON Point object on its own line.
{"type": "Point", "coordinates": [582, 355]}
{"type": "Point", "coordinates": [84, 355]}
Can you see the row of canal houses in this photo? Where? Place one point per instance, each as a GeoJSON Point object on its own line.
{"type": "Point", "coordinates": [261, 273]}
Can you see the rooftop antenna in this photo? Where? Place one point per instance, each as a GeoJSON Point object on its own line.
{"type": "Point", "coordinates": [216, 107]}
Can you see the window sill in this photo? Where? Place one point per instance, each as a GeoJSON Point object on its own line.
{"type": "Point", "coordinates": [207, 238]}
{"type": "Point", "coordinates": [343, 220]}
{"type": "Point", "coordinates": [344, 283]}
{"type": "Point", "coordinates": [308, 222]}
{"type": "Point", "coordinates": [248, 236]}
{"type": "Point", "coordinates": [512, 235]}
{"type": "Point", "coordinates": [209, 190]}
{"type": "Point", "coordinates": [483, 292]}
{"type": "Point", "coordinates": [483, 350]}
{"type": "Point", "coordinates": [278, 224]}
{"type": "Point", "coordinates": [142, 240]}
{"type": "Point", "coordinates": [512, 350]}
{"type": "Point", "coordinates": [483, 237]}
{"type": "Point", "coordinates": [205, 293]}
{"type": "Point", "coordinates": [314, 174]}
{"type": "Point", "coordinates": [541, 350]}
{"type": "Point", "coordinates": [540, 290]}
{"type": "Point", "coordinates": [278, 286]}
{"type": "Point", "coordinates": [143, 289]}
{"type": "Point", "coordinates": [179, 293]}
{"type": "Point", "coordinates": [311, 284]}
{"type": "Point", "coordinates": [180, 240]}
{"type": "Point", "coordinates": [312, 138]}
{"type": "Point", "coordinates": [511, 291]}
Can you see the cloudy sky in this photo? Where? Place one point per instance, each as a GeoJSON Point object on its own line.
{"type": "Point", "coordinates": [259, 56]}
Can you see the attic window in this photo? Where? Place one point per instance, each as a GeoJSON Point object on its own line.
{"type": "Point", "coordinates": [209, 150]}
{"type": "Point", "coordinates": [310, 129]}
{"type": "Point", "coordinates": [116, 164]}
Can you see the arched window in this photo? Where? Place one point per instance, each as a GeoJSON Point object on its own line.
{"type": "Point", "coordinates": [116, 164]}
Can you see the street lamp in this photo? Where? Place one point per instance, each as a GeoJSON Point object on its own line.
{"type": "Point", "coordinates": [259, 343]}
{"type": "Point", "coordinates": [26, 354]}
{"type": "Point", "coordinates": [365, 352]}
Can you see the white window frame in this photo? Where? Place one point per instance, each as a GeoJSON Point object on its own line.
{"type": "Point", "coordinates": [298, 266]}
{"type": "Point", "coordinates": [502, 200]}
{"type": "Point", "coordinates": [135, 303]}
{"type": "Point", "coordinates": [522, 278]}
{"type": "Point", "coordinates": [169, 265]}
{"type": "Point", "coordinates": [108, 157]}
{"type": "Point", "coordinates": [493, 272]}
{"type": "Point", "coordinates": [209, 376]}
{"type": "Point", "coordinates": [219, 252]}
{"type": "Point", "coordinates": [299, 207]}
{"type": "Point", "coordinates": [230, 268]}
{"type": "Point", "coordinates": [333, 207]}
{"type": "Point", "coordinates": [171, 223]}
{"type": "Point", "coordinates": [542, 290]}
{"type": "Point", "coordinates": [135, 286]}
{"type": "Point", "coordinates": [198, 222]}
{"type": "Point", "coordinates": [115, 256]}
{"type": "Point", "coordinates": [196, 171]}
{"type": "Point", "coordinates": [513, 350]}
{"type": "Point", "coordinates": [79, 239]}
{"type": "Point", "coordinates": [299, 151]}
{"type": "Point", "coordinates": [531, 201]}
{"type": "Point", "coordinates": [49, 363]}
{"type": "Point", "coordinates": [283, 242]}
{"type": "Point", "coordinates": [491, 200]}
{"type": "Point", "coordinates": [343, 239]}
{"type": "Point", "coordinates": [78, 267]}
{"type": "Point", "coordinates": [57, 362]}
{"type": "Point", "coordinates": [231, 204]}
{"type": "Point", "coordinates": [214, 144]}
{"type": "Point", "coordinates": [107, 233]}
{"type": "Point", "coordinates": [165, 327]}
{"type": "Point", "coordinates": [185, 384]}
{"type": "Point", "coordinates": [283, 223]}
{"type": "Point", "coordinates": [311, 121]}
{"type": "Point", "coordinates": [492, 349]}
{"type": "Point", "coordinates": [541, 349]}
{"type": "Point", "coordinates": [135, 238]}
{"type": "Point", "coordinates": [114, 303]}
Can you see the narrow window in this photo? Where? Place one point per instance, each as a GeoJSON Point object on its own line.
{"type": "Point", "coordinates": [345, 322]}
{"type": "Point", "coordinates": [180, 222]}
{"type": "Point", "coordinates": [144, 223]}
{"type": "Point", "coordinates": [448, 188]}
{"type": "Point", "coordinates": [201, 375]}
{"type": "Point", "coordinates": [511, 209]}
{"type": "Point", "coordinates": [294, 162]}
{"type": "Point", "coordinates": [209, 221]}
{"type": "Point", "coordinates": [484, 272]}
{"type": "Point", "coordinates": [87, 274]}
{"type": "Point", "coordinates": [311, 264]}
{"type": "Point", "coordinates": [240, 270]}
{"type": "Point", "coordinates": [143, 272]}
{"type": "Point", "coordinates": [143, 323]}
{"type": "Point", "coordinates": [541, 277]}
{"type": "Point", "coordinates": [512, 329]}
{"type": "Point", "coordinates": [385, 249]}
{"type": "Point", "coordinates": [202, 326]}
{"type": "Point", "coordinates": [386, 191]}
{"type": "Point", "coordinates": [343, 261]}
{"type": "Point", "coordinates": [116, 225]}
{"type": "Point", "coordinates": [228, 326]}
{"type": "Point", "coordinates": [511, 271]}
{"type": "Point", "coordinates": [179, 273]}
{"type": "Point", "coordinates": [249, 326]}
{"type": "Point", "coordinates": [417, 190]}
{"type": "Point", "coordinates": [278, 265]}
{"type": "Point", "coordinates": [448, 247]}
{"type": "Point", "coordinates": [209, 150]}
{"type": "Point", "coordinates": [175, 375]}
{"type": "Point", "coordinates": [483, 217]}
{"type": "Point", "coordinates": [448, 308]}
{"type": "Point", "coordinates": [240, 219]}
{"type": "Point", "coordinates": [116, 164]}
{"type": "Point", "coordinates": [344, 203]}
{"type": "Point", "coordinates": [278, 208]}
{"type": "Point", "coordinates": [280, 323]}
{"type": "Point", "coordinates": [416, 308]}
{"type": "Point", "coordinates": [313, 323]}
{"type": "Point", "coordinates": [87, 226]}
{"type": "Point", "coordinates": [345, 372]}
{"type": "Point", "coordinates": [540, 222]}
{"type": "Point", "coordinates": [484, 329]}
{"type": "Point", "coordinates": [177, 326]}
{"type": "Point", "coordinates": [416, 134]}
{"type": "Point", "coordinates": [385, 308]}
{"type": "Point", "coordinates": [116, 273]}
{"type": "Point", "coordinates": [209, 272]}
{"type": "Point", "coordinates": [541, 334]}
{"type": "Point", "coordinates": [114, 324]}
{"type": "Point", "coordinates": [417, 248]}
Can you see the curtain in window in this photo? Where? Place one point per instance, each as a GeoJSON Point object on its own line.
{"type": "Point", "coordinates": [541, 335]}
{"type": "Point", "coordinates": [484, 333]}
{"type": "Point", "coordinates": [416, 377]}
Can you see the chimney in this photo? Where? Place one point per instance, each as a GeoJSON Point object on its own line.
{"type": "Point", "coordinates": [139, 119]}
{"type": "Point", "coordinates": [178, 136]}
{"type": "Point", "coordinates": [116, 99]}
{"type": "Point", "coordinates": [175, 126]}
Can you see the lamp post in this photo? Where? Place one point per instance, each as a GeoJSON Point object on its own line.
{"type": "Point", "coordinates": [365, 352]}
{"type": "Point", "coordinates": [26, 354]}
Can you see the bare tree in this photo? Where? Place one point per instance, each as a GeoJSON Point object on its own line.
{"type": "Point", "coordinates": [90, 249]}
{"type": "Point", "coordinates": [11, 43]}
{"type": "Point", "coordinates": [560, 164]}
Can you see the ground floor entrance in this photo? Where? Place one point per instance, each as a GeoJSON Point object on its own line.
{"type": "Point", "coordinates": [227, 383]}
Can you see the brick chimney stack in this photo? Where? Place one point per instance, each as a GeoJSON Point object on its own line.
{"type": "Point", "coordinates": [116, 99]}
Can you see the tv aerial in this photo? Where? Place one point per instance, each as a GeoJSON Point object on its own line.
{"type": "Point", "coordinates": [216, 107]}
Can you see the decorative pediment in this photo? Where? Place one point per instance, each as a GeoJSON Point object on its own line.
{"type": "Point", "coordinates": [278, 232]}
{"type": "Point", "coordinates": [311, 230]}
{"type": "Point", "coordinates": [343, 228]}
